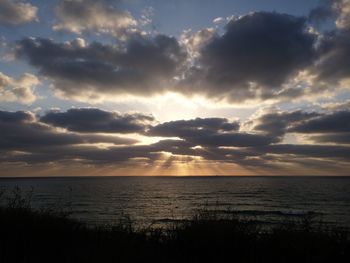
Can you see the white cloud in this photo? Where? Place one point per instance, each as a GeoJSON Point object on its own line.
{"type": "Point", "coordinates": [345, 105]}
{"type": "Point", "coordinates": [218, 20]}
{"type": "Point", "coordinates": [343, 7]}
{"type": "Point", "coordinates": [79, 16]}
{"type": "Point", "coordinates": [20, 90]}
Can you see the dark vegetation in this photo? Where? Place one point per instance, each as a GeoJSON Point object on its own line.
{"type": "Point", "coordinates": [49, 235]}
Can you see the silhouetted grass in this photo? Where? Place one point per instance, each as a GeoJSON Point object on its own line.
{"type": "Point", "coordinates": [46, 235]}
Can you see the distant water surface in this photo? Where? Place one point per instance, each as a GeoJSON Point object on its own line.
{"type": "Point", "coordinates": [104, 200]}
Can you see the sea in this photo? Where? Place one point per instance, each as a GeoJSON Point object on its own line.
{"type": "Point", "coordinates": [160, 200]}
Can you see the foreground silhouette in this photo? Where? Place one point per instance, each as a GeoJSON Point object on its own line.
{"type": "Point", "coordinates": [28, 235]}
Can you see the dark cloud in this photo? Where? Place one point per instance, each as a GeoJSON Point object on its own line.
{"type": "Point", "coordinates": [333, 64]}
{"type": "Point", "coordinates": [315, 151]}
{"type": "Point", "coordinates": [278, 123]}
{"type": "Point", "coordinates": [26, 139]}
{"type": "Point", "coordinates": [16, 117]}
{"type": "Point", "coordinates": [195, 127]}
{"type": "Point", "coordinates": [141, 66]}
{"type": "Point", "coordinates": [337, 138]}
{"type": "Point", "coordinates": [256, 55]}
{"type": "Point", "coordinates": [15, 12]}
{"type": "Point", "coordinates": [318, 127]}
{"type": "Point", "coordinates": [322, 12]}
{"type": "Point", "coordinates": [209, 132]}
{"type": "Point", "coordinates": [328, 123]}
{"type": "Point", "coordinates": [21, 132]}
{"type": "Point", "coordinates": [95, 120]}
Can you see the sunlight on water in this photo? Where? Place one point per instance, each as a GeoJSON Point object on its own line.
{"type": "Point", "coordinates": [157, 199]}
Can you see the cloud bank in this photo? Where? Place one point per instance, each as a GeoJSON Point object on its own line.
{"type": "Point", "coordinates": [76, 136]}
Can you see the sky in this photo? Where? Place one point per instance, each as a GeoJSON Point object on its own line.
{"type": "Point", "coordinates": [174, 87]}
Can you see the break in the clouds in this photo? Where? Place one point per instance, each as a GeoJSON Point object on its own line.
{"type": "Point", "coordinates": [93, 16]}
{"type": "Point", "coordinates": [18, 90]}
{"type": "Point", "coordinates": [15, 12]}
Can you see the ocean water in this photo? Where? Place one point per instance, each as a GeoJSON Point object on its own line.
{"type": "Point", "coordinates": [153, 200]}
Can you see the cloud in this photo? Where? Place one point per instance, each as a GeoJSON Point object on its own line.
{"type": "Point", "coordinates": [345, 105]}
{"type": "Point", "coordinates": [256, 55]}
{"type": "Point", "coordinates": [278, 123]}
{"type": "Point", "coordinates": [95, 120]}
{"type": "Point", "coordinates": [315, 151]}
{"type": "Point", "coordinates": [328, 123]}
{"type": "Point", "coordinates": [218, 20]}
{"type": "Point", "coordinates": [190, 128]}
{"type": "Point", "coordinates": [194, 42]}
{"type": "Point", "coordinates": [232, 139]}
{"type": "Point", "coordinates": [261, 56]}
{"type": "Point", "coordinates": [343, 9]}
{"type": "Point", "coordinates": [255, 58]}
{"type": "Point", "coordinates": [327, 128]}
{"type": "Point", "coordinates": [101, 17]}
{"type": "Point", "coordinates": [322, 12]}
{"type": "Point", "coordinates": [20, 131]}
{"type": "Point", "coordinates": [25, 139]}
{"type": "Point", "coordinates": [334, 138]}
{"type": "Point", "coordinates": [15, 12]}
{"type": "Point", "coordinates": [142, 66]}
{"type": "Point", "coordinates": [209, 132]}
{"type": "Point", "coordinates": [332, 65]}
{"type": "Point", "coordinates": [20, 90]}
{"type": "Point", "coordinates": [339, 10]}
{"type": "Point", "coordinates": [319, 127]}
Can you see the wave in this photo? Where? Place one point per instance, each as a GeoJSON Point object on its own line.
{"type": "Point", "coordinates": [291, 213]}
